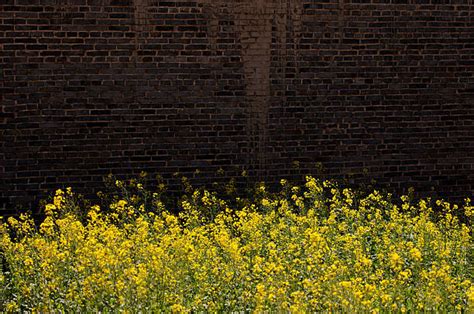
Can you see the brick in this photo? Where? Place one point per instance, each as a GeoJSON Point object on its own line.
{"type": "Point", "coordinates": [164, 86]}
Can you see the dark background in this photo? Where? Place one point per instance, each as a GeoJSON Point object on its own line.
{"type": "Point", "coordinates": [366, 88]}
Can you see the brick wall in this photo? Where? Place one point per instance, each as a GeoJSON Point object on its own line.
{"type": "Point", "coordinates": [90, 87]}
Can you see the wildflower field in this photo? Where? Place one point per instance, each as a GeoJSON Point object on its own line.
{"type": "Point", "coordinates": [316, 247]}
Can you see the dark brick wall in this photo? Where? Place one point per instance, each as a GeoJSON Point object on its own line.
{"type": "Point", "coordinates": [90, 87]}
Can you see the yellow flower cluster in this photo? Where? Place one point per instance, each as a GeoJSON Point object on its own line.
{"type": "Point", "coordinates": [320, 248]}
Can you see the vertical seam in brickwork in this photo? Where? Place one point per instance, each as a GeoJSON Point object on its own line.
{"type": "Point", "coordinates": [139, 24]}
{"type": "Point", "coordinates": [282, 18]}
{"type": "Point", "coordinates": [140, 14]}
{"type": "Point", "coordinates": [256, 38]}
{"type": "Point", "coordinates": [211, 13]}
{"type": "Point", "coordinates": [341, 20]}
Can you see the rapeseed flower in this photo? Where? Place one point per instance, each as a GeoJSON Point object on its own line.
{"type": "Point", "coordinates": [316, 248]}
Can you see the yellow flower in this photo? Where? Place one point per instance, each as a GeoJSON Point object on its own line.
{"type": "Point", "coordinates": [415, 254]}
{"type": "Point", "coordinates": [265, 202]}
{"type": "Point", "coordinates": [404, 275]}
{"type": "Point", "coordinates": [342, 253]}
{"type": "Point", "coordinates": [177, 308]}
{"type": "Point", "coordinates": [58, 198]}
{"type": "Point", "coordinates": [12, 307]}
{"type": "Point", "coordinates": [470, 297]}
{"type": "Point", "coordinates": [395, 261]}
{"type": "Point", "coordinates": [50, 209]}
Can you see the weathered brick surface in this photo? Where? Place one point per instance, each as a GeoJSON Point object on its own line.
{"type": "Point", "coordinates": [90, 87]}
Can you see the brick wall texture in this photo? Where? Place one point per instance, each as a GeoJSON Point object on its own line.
{"type": "Point", "coordinates": [89, 87]}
